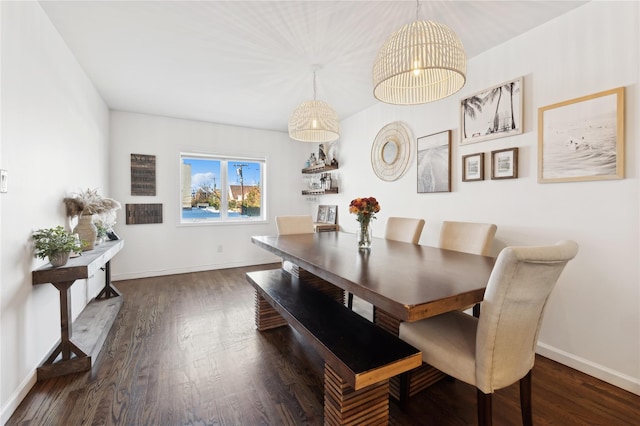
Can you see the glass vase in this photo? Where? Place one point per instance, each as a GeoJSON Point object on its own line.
{"type": "Point", "coordinates": [364, 236]}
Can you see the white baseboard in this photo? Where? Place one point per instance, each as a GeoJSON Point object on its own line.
{"type": "Point", "coordinates": [598, 371]}
{"type": "Point", "coordinates": [16, 398]}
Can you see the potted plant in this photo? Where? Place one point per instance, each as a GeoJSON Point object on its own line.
{"type": "Point", "coordinates": [56, 244]}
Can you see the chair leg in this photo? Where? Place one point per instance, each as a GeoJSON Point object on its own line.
{"type": "Point", "coordinates": [350, 300]}
{"type": "Point", "coordinates": [484, 408]}
{"type": "Point", "coordinates": [525, 400]}
{"type": "Point", "coordinates": [476, 310]}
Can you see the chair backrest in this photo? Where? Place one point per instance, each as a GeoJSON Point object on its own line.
{"type": "Point", "coordinates": [405, 229]}
{"type": "Point", "coordinates": [512, 310]}
{"type": "Point", "coordinates": [294, 224]}
{"type": "Point", "coordinates": [469, 237]}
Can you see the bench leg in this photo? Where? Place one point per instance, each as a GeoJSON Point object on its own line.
{"type": "Point", "coordinates": [266, 316]}
{"type": "Point", "coordinates": [345, 406]}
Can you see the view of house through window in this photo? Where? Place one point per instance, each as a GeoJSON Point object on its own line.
{"type": "Point", "coordinates": [221, 189]}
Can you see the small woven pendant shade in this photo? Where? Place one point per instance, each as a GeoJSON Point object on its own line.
{"type": "Point", "coordinates": [421, 62]}
{"type": "Point", "coordinates": [314, 121]}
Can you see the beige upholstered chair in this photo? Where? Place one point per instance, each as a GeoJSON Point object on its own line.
{"type": "Point", "coordinates": [498, 349]}
{"type": "Point", "coordinates": [403, 229]}
{"type": "Point", "coordinates": [294, 224]}
{"type": "Point", "coordinates": [469, 237]}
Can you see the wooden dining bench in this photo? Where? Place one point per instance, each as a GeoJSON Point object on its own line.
{"type": "Point", "coordinates": [359, 356]}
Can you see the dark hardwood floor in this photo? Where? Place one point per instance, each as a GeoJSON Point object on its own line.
{"type": "Point", "coordinates": [184, 351]}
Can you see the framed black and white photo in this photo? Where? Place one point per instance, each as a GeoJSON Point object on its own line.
{"type": "Point", "coordinates": [434, 163]}
{"type": "Point", "coordinates": [492, 113]}
{"type": "Point", "coordinates": [582, 139]}
{"type": "Point", "coordinates": [504, 163]}
{"type": "Point", "coordinates": [332, 214]}
{"type": "Point", "coordinates": [473, 167]}
{"type": "Point", "coordinates": [322, 214]}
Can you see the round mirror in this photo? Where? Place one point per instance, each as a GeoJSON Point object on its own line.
{"type": "Point", "coordinates": [390, 152]}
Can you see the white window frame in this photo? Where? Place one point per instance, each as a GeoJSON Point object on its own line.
{"type": "Point", "coordinates": [224, 219]}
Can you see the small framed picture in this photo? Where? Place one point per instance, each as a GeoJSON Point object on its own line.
{"type": "Point", "coordinates": [322, 214]}
{"type": "Point", "coordinates": [504, 163]}
{"type": "Point", "coordinates": [473, 167]}
{"type": "Point", "coordinates": [332, 214]}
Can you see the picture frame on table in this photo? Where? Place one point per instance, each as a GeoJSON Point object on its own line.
{"type": "Point", "coordinates": [321, 217]}
{"type": "Point", "coordinates": [332, 214]}
{"type": "Point", "coordinates": [492, 113]}
{"type": "Point", "coordinates": [434, 162]}
{"type": "Point", "coordinates": [473, 167]}
{"type": "Point", "coordinates": [582, 139]}
{"type": "Point", "coordinates": [504, 163]}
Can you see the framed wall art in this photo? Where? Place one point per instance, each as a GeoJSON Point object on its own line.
{"type": "Point", "coordinates": [434, 163]}
{"type": "Point", "coordinates": [504, 163]}
{"type": "Point", "coordinates": [321, 217]}
{"type": "Point", "coordinates": [143, 174]}
{"type": "Point", "coordinates": [473, 167]}
{"type": "Point", "coordinates": [582, 139]}
{"type": "Point", "coordinates": [493, 113]}
{"type": "Point", "coordinates": [332, 214]}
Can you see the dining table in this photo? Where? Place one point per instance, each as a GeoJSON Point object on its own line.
{"type": "Point", "coordinates": [403, 282]}
{"type": "Point", "coordinates": [408, 281]}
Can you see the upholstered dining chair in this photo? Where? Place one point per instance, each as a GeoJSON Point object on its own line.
{"type": "Point", "coordinates": [468, 237]}
{"type": "Point", "coordinates": [294, 224]}
{"type": "Point", "coordinates": [403, 229]}
{"type": "Point", "coordinates": [497, 349]}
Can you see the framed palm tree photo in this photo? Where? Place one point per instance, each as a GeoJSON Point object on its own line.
{"type": "Point", "coordinates": [493, 113]}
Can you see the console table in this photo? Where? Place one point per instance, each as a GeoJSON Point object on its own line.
{"type": "Point", "coordinates": [93, 323]}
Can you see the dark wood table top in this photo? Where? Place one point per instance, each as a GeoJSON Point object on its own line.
{"type": "Point", "coordinates": [409, 281]}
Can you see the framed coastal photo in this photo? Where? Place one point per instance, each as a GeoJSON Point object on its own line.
{"type": "Point", "coordinates": [473, 167]}
{"type": "Point", "coordinates": [434, 163]}
{"type": "Point", "coordinates": [332, 214]}
{"type": "Point", "coordinates": [492, 113]}
{"type": "Point", "coordinates": [322, 214]}
{"type": "Point", "coordinates": [504, 163]}
{"type": "Point", "coordinates": [582, 139]}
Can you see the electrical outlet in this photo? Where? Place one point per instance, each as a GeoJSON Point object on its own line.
{"type": "Point", "coordinates": [4, 176]}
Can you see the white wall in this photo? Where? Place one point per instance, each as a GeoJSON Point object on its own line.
{"type": "Point", "coordinates": [593, 319]}
{"type": "Point", "coordinates": [53, 142]}
{"type": "Point", "coordinates": [170, 248]}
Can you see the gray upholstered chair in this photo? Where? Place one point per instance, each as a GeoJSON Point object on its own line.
{"type": "Point", "coordinates": [497, 349]}
{"type": "Point", "coordinates": [468, 237]}
{"type": "Point", "coordinates": [403, 229]}
{"type": "Point", "coordinates": [294, 224]}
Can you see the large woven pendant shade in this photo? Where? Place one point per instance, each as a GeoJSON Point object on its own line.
{"type": "Point", "coordinates": [421, 62]}
{"type": "Point", "coordinates": [314, 121]}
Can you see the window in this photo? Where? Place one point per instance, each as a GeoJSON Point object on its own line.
{"type": "Point", "coordinates": [216, 189]}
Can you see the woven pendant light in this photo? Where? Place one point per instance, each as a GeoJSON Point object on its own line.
{"type": "Point", "coordinates": [314, 121]}
{"type": "Point", "coordinates": [421, 62]}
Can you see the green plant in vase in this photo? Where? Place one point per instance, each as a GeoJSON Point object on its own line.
{"type": "Point", "coordinates": [56, 244]}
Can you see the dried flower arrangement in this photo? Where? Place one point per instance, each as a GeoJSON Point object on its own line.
{"type": "Point", "coordinates": [89, 202]}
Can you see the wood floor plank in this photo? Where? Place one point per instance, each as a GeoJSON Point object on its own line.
{"type": "Point", "coordinates": [184, 350]}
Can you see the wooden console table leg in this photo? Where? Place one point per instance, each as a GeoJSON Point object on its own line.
{"type": "Point", "coordinates": [108, 290]}
{"type": "Point", "coordinates": [345, 406]}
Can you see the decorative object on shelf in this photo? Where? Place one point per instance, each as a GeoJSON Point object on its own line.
{"type": "Point", "coordinates": [320, 180]}
{"type": "Point", "coordinates": [143, 174]}
{"type": "Point", "coordinates": [56, 244]}
{"type": "Point", "coordinates": [391, 151]}
{"type": "Point", "coordinates": [582, 139]}
{"type": "Point", "coordinates": [421, 62]}
{"type": "Point", "coordinates": [321, 217]}
{"type": "Point", "coordinates": [332, 214]}
{"type": "Point", "coordinates": [314, 121]}
{"type": "Point", "coordinates": [500, 106]}
{"type": "Point", "coordinates": [504, 163]}
{"type": "Point", "coordinates": [473, 167]}
{"type": "Point", "coordinates": [434, 162]}
{"type": "Point", "coordinates": [365, 210]}
{"type": "Point", "coordinates": [87, 205]}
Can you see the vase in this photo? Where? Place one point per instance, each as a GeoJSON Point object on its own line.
{"type": "Point", "coordinates": [59, 259]}
{"type": "Point", "coordinates": [364, 236]}
{"type": "Point", "coordinates": [87, 231]}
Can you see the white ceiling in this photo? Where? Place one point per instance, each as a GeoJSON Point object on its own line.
{"type": "Point", "coordinates": [250, 63]}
